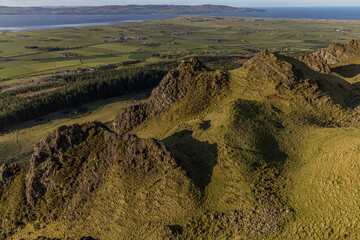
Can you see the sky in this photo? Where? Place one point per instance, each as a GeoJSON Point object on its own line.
{"type": "Point", "coordinates": [235, 3]}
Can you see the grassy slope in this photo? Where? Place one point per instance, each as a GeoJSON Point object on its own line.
{"type": "Point", "coordinates": [19, 143]}
{"type": "Point", "coordinates": [249, 153]}
{"type": "Point", "coordinates": [323, 185]}
{"type": "Point", "coordinates": [271, 142]}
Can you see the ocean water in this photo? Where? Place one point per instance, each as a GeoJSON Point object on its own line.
{"type": "Point", "coordinates": [326, 13]}
{"type": "Point", "coordinates": [10, 23]}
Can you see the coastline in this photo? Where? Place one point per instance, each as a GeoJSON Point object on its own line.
{"type": "Point", "coordinates": [165, 16]}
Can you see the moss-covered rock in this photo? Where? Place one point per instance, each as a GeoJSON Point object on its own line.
{"type": "Point", "coordinates": [191, 85]}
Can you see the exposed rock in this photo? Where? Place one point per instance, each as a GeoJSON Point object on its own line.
{"type": "Point", "coordinates": [98, 182]}
{"type": "Point", "coordinates": [316, 63]}
{"type": "Point", "coordinates": [184, 82]}
{"type": "Point", "coordinates": [267, 66]}
{"type": "Point", "coordinates": [51, 155]}
{"type": "Point", "coordinates": [8, 173]}
{"type": "Point", "coordinates": [69, 165]}
{"type": "Point", "coordinates": [334, 54]}
{"type": "Point", "coordinates": [284, 76]}
{"type": "Point", "coordinates": [143, 155]}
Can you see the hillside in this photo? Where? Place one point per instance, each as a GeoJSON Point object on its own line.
{"type": "Point", "coordinates": [128, 9]}
{"type": "Point", "coordinates": [336, 58]}
{"type": "Point", "coordinates": [265, 151]}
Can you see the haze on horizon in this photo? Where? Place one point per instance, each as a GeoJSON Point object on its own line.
{"type": "Point", "coordinates": [235, 3]}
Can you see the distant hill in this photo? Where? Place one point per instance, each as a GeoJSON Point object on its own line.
{"type": "Point", "coordinates": [128, 9]}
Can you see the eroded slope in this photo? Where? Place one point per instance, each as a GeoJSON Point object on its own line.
{"type": "Point", "coordinates": [245, 154]}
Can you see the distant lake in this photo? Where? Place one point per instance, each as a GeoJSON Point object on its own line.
{"type": "Point", "coordinates": [9, 23]}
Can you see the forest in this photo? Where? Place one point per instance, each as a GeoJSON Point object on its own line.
{"type": "Point", "coordinates": [72, 90]}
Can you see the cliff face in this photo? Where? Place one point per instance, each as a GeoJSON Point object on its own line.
{"type": "Point", "coordinates": [8, 173]}
{"type": "Point", "coordinates": [67, 168]}
{"type": "Point", "coordinates": [234, 171]}
{"type": "Point", "coordinates": [191, 84]}
{"type": "Point", "coordinates": [73, 166]}
{"type": "Point", "coordinates": [334, 54]}
{"type": "Point", "coordinates": [267, 66]}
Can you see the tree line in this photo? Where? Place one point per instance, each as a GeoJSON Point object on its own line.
{"type": "Point", "coordinates": [74, 90]}
{"type": "Point", "coordinates": [65, 91]}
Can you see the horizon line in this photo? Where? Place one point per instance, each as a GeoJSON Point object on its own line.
{"type": "Point", "coordinates": [60, 6]}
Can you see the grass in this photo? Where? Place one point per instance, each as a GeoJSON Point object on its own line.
{"type": "Point", "coordinates": [237, 35]}
{"type": "Point", "coordinates": [284, 162]}
{"type": "Point", "coordinates": [325, 176]}
{"type": "Point", "coordinates": [277, 154]}
{"type": "Point", "coordinates": [17, 145]}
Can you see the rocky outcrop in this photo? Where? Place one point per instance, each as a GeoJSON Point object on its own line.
{"type": "Point", "coordinates": [75, 166]}
{"type": "Point", "coordinates": [284, 76]}
{"type": "Point", "coordinates": [190, 80]}
{"type": "Point", "coordinates": [89, 180]}
{"type": "Point", "coordinates": [144, 155]}
{"type": "Point", "coordinates": [334, 54]}
{"type": "Point", "coordinates": [267, 66]}
{"type": "Point", "coordinates": [69, 165]}
{"type": "Point", "coordinates": [52, 156]}
{"type": "Point", "coordinates": [8, 173]}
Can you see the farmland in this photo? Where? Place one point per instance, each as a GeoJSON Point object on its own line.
{"type": "Point", "coordinates": [28, 56]}
{"type": "Point", "coordinates": [236, 142]}
{"type": "Point", "coordinates": [28, 59]}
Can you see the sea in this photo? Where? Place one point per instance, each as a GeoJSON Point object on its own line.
{"type": "Point", "coordinates": [11, 23]}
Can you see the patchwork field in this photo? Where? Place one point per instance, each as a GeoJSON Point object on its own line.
{"type": "Point", "coordinates": [34, 53]}
{"type": "Point", "coordinates": [233, 148]}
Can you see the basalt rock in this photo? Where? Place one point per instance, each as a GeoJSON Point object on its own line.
{"type": "Point", "coordinates": [145, 155]}
{"type": "Point", "coordinates": [191, 80]}
{"type": "Point", "coordinates": [56, 154]}
{"type": "Point", "coordinates": [70, 164]}
{"type": "Point", "coordinates": [267, 66]}
{"type": "Point", "coordinates": [334, 54]}
{"type": "Point", "coordinates": [8, 173]}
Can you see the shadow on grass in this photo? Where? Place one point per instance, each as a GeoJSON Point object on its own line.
{"type": "Point", "coordinates": [334, 86]}
{"type": "Point", "coordinates": [255, 126]}
{"type": "Point", "coordinates": [77, 112]}
{"type": "Point", "coordinates": [348, 71]}
{"type": "Point", "coordinates": [252, 136]}
{"type": "Point", "coordinates": [195, 157]}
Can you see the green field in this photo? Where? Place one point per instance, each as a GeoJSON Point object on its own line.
{"type": "Point", "coordinates": [152, 41]}
{"type": "Point", "coordinates": [18, 144]}
{"type": "Point", "coordinates": [265, 150]}
{"type": "Point", "coordinates": [178, 37]}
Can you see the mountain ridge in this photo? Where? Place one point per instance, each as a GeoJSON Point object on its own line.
{"type": "Point", "coordinates": [210, 154]}
{"type": "Point", "coordinates": [323, 59]}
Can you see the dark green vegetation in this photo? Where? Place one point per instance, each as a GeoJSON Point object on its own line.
{"type": "Point", "coordinates": [267, 150]}
{"type": "Point", "coordinates": [68, 91]}
{"type": "Point", "coordinates": [237, 143]}
{"type": "Point", "coordinates": [32, 65]}
{"type": "Point", "coordinates": [128, 9]}
{"type": "Point", "coordinates": [17, 144]}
